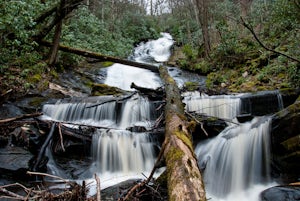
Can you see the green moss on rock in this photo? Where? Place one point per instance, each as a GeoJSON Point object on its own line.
{"type": "Point", "coordinates": [103, 89]}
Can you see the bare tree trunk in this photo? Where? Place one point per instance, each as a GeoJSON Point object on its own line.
{"type": "Point", "coordinates": [183, 175]}
{"type": "Point", "coordinates": [68, 8]}
{"type": "Point", "coordinates": [54, 49]}
{"type": "Point", "coordinates": [201, 12]}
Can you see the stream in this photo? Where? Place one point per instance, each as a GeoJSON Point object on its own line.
{"type": "Point", "coordinates": [235, 163]}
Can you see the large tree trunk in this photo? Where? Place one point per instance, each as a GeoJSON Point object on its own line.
{"type": "Point", "coordinates": [183, 175]}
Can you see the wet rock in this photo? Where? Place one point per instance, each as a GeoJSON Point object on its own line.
{"type": "Point", "coordinates": [281, 193]}
{"type": "Point", "coordinates": [138, 129]}
{"type": "Point", "coordinates": [14, 158]}
{"type": "Point", "coordinates": [285, 137]}
{"type": "Point", "coordinates": [10, 110]}
{"type": "Point", "coordinates": [116, 191]}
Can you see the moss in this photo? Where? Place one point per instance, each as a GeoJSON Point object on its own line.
{"type": "Point", "coordinates": [172, 157]}
{"type": "Point", "coordinates": [212, 119]}
{"type": "Point", "coordinates": [191, 86]}
{"type": "Point", "coordinates": [292, 144]}
{"type": "Point", "coordinates": [37, 101]}
{"type": "Point", "coordinates": [35, 78]}
{"type": "Point", "coordinates": [106, 63]}
{"type": "Point", "coordinates": [185, 139]}
{"type": "Point", "coordinates": [103, 89]}
{"type": "Point", "coordinates": [192, 126]}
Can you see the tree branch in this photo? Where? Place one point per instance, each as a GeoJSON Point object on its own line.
{"type": "Point", "coordinates": [250, 28]}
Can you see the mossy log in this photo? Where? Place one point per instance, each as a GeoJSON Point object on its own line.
{"type": "Point", "coordinates": [183, 175]}
{"type": "Point", "coordinates": [95, 55]}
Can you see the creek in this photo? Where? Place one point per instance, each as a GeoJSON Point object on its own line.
{"type": "Point", "coordinates": [235, 163]}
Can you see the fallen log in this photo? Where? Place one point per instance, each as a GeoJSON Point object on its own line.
{"type": "Point", "coordinates": [183, 175]}
{"type": "Point", "coordinates": [153, 94]}
{"type": "Point", "coordinates": [24, 116]}
{"type": "Point", "coordinates": [90, 54]}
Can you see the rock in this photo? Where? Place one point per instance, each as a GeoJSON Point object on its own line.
{"type": "Point", "coordinates": [285, 135]}
{"type": "Point", "coordinates": [245, 74]}
{"type": "Point", "coordinates": [281, 193]}
{"type": "Point", "coordinates": [223, 85]}
{"type": "Point", "coordinates": [137, 129]}
{"type": "Point", "coordinates": [14, 158]}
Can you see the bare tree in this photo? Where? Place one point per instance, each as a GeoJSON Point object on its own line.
{"type": "Point", "coordinates": [201, 8]}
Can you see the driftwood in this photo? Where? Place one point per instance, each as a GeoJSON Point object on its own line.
{"type": "Point", "coordinates": [86, 53]}
{"type": "Point", "coordinates": [183, 175]}
{"type": "Point", "coordinates": [73, 192]}
{"type": "Point", "coordinates": [98, 188]}
{"type": "Point", "coordinates": [153, 94]}
{"type": "Point", "coordinates": [113, 100]}
{"type": "Point", "coordinates": [2, 121]}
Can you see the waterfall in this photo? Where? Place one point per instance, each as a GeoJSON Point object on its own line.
{"type": "Point", "coordinates": [226, 106]}
{"type": "Point", "coordinates": [122, 151]}
{"type": "Point", "coordinates": [236, 160]}
{"type": "Point", "coordinates": [136, 111]}
{"type": "Point", "coordinates": [118, 151]}
{"type": "Point", "coordinates": [154, 52]}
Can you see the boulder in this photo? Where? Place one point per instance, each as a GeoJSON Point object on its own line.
{"type": "Point", "coordinates": [281, 193]}
{"type": "Point", "coordinates": [285, 138]}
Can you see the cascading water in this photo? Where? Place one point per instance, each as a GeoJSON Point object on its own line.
{"type": "Point", "coordinates": [133, 153]}
{"type": "Point", "coordinates": [118, 151]}
{"type": "Point", "coordinates": [226, 106]}
{"type": "Point", "coordinates": [154, 52]}
{"type": "Point", "coordinates": [236, 160]}
{"type": "Point", "coordinates": [236, 163]}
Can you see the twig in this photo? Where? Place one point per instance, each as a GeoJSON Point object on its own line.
{"type": "Point", "coordinates": [11, 194]}
{"type": "Point", "coordinates": [250, 28]}
{"type": "Point", "coordinates": [113, 100]}
{"type": "Point", "coordinates": [49, 175]}
{"type": "Point", "coordinates": [5, 93]}
{"type": "Point", "coordinates": [98, 188]}
{"type": "Point", "coordinates": [61, 137]}
{"type": "Point", "coordinates": [199, 122]}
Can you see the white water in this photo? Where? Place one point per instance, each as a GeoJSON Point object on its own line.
{"type": "Point", "coordinates": [121, 76]}
{"type": "Point", "coordinates": [236, 162]}
{"type": "Point", "coordinates": [136, 111]}
{"type": "Point", "coordinates": [122, 151]}
{"type": "Point", "coordinates": [119, 154]}
{"type": "Point", "coordinates": [225, 106]}
{"type": "Point", "coordinates": [155, 51]}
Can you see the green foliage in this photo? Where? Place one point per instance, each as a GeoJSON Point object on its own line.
{"type": "Point", "coordinates": [294, 75]}
{"type": "Point", "coordinates": [191, 86]}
